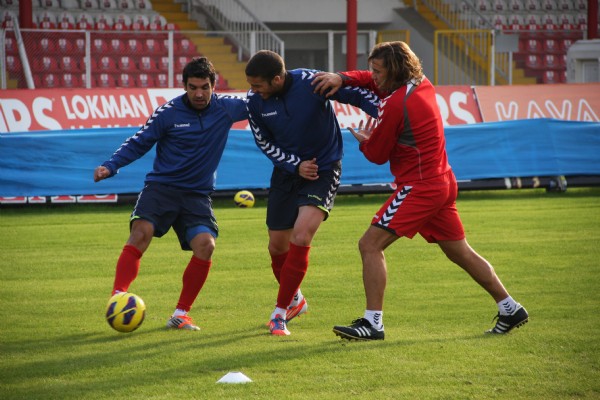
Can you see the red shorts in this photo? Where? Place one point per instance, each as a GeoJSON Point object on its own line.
{"type": "Point", "coordinates": [425, 207]}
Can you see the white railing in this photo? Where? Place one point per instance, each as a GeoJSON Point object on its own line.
{"type": "Point", "coordinates": [248, 32]}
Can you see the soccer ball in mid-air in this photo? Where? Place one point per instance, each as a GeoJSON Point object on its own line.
{"type": "Point", "coordinates": [125, 312]}
{"type": "Point", "coordinates": [244, 199]}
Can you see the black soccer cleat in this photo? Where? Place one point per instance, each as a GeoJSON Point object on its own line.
{"type": "Point", "coordinates": [505, 323]}
{"type": "Point", "coordinates": [361, 329]}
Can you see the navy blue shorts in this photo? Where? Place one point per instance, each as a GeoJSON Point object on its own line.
{"type": "Point", "coordinates": [289, 191]}
{"type": "Point", "coordinates": [187, 212]}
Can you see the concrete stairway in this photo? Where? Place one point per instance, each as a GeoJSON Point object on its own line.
{"type": "Point", "coordinates": [221, 54]}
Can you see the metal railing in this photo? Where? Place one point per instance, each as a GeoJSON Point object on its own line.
{"type": "Point", "coordinates": [248, 32]}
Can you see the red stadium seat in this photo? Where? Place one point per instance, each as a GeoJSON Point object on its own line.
{"type": "Point", "coordinates": [552, 46]}
{"type": "Point", "coordinates": [125, 80]}
{"type": "Point", "coordinates": [181, 62]}
{"type": "Point", "coordinates": [65, 20]}
{"type": "Point", "coordinates": [46, 19]}
{"type": "Point", "coordinates": [133, 46]}
{"type": "Point", "coordinates": [84, 21]}
{"type": "Point", "coordinates": [516, 22]}
{"type": "Point", "coordinates": [50, 80]}
{"type": "Point", "coordinates": [552, 61]}
{"type": "Point", "coordinates": [530, 46]}
{"type": "Point", "coordinates": [126, 63]}
{"type": "Point", "coordinates": [500, 22]}
{"type": "Point", "coordinates": [69, 80]}
{"type": "Point", "coordinates": [122, 22]}
{"type": "Point", "coordinates": [116, 46]}
{"type": "Point", "coordinates": [146, 63]}
{"type": "Point", "coordinates": [10, 45]}
{"type": "Point", "coordinates": [105, 81]}
{"type": "Point", "coordinates": [68, 64]}
{"type": "Point", "coordinates": [106, 64]}
{"type": "Point", "coordinates": [534, 61]}
{"type": "Point", "coordinates": [157, 22]}
{"type": "Point", "coordinates": [161, 81]}
{"type": "Point", "coordinates": [99, 47]}
{"type": "Point", "coordinates": [79, 46]}
{"type": "Point", "coordinates": [551, 77]}
{"type": "Point", "coordinates": [163, 64]}
{"type": "Point", "coordinates": [8, 18]}
{"type": "Point", "coordinates": [144, 80]}
{"type": "Point", "coordinates": [186, 47]}
{"type": "Point", "coordinates": [13, 64]}
{"type": "Point", "coordinates": [152, 47]}
{"type": "Point", "coordinates": [46, 46]}
{"type": "Point", "coordinates": [103, 22]}
{"type": "Point", "coordinates": [139, 22]}
{"type": "Point", "coordinates": [581, 21]}
{"type": "Point", "coordinates": [64, 46]}
{"type": "Point", "coordinates": [563, 76]}
{"type": "Point", "coordinates": [45, 64]}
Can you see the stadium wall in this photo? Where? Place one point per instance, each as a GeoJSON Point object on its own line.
{"type": "Point", "coordinates": [51, 140]}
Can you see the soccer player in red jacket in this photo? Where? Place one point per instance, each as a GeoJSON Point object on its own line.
{"type": "Point", "coordinates": [409, 134]}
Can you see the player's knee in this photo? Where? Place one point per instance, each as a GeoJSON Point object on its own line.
{"type": "Point", "coordinates": [367, 246]}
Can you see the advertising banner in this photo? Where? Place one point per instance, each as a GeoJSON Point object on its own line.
{"type": "Point", "coordinates": [59, 109]}
{"type": "Point", "coordinates": [573, 102]}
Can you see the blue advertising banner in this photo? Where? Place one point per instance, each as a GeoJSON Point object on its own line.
{"type": "Point", "coordinates": [50, 163]}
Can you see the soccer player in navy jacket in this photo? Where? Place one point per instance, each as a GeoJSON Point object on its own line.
{"type": "Point", "coordinates": [190, 133]}
{"type": "Point", "coordinates": [299, 132]}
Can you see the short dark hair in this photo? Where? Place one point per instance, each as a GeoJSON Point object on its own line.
{"type": "Point", "coordinates": [265, 64]}
{"type": "Point", "coordinates": [199, 67]}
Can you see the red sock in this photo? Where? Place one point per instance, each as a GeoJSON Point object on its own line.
{"type": "Point", "coordinates": [194, 277]}
{"type": "Point", "coordinates": [277, 262]}
{"type": "Point", "coordinates": [128, 267]}
{"type": "Point", "coordinates": [292, 274]}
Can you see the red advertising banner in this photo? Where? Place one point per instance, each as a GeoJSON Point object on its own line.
{"type": "Point", "coordinates": [572, 102]}
{"type": "Point", "coordinates": [56, 109]}
{"type": "Point", "coordinates": [457, 105]}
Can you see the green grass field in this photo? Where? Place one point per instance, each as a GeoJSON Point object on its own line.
{"type": "Point", "coordinates": [56, 272]}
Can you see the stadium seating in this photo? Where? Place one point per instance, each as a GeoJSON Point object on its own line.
{"type": "Point", "coordinates": [106, 64]}
{"type": "Point", "coordinates": [13, 64]}
{"type": "Point", "coordinates": [125, 80]}
{"type": "Point", "coordinates": [126, 64]}
{"type": "Point", "coordinates": [70, 80]}
{"type": "Point", "coordinates": [105, 80]}
{"type": "Point", "coordinates": [147, 64]}
{"type": "Point", "coordinates": [69, 64]}
{"type": "Point", "coordinates": [144, 80]}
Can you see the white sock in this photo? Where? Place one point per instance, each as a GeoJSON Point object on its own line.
{"type": "Point", "coordinates": [507, 306]}
{"type": "Point", "coordinates": [375, 317]}
{"type": "Point", "coordinates": [297, 298]}
{"type": "Point", "coordinates": [278, 311]}
{"type": "Point", "coordinates": [178, 312]}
